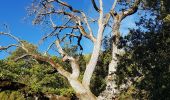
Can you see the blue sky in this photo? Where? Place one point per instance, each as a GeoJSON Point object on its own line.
{"type": "Point", "coordinates": [14, 11]}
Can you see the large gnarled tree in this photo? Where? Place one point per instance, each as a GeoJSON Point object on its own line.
{"type": "Point", "coordinates": [76, 24]}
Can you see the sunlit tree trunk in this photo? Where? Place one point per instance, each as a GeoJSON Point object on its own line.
{"type": "Point", "coordinates": [81, 92]}
{"type": "Point", "coordinates": [111, 91]}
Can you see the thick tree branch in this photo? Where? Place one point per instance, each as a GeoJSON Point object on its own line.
{"type": "Point", "coordinates": [91, 36]}
{"type": "Point", "coordinates": [74, 64]}
{"type": "Point", "coordinates": [57, 66]}
{"type": "Point", "coordinates": [21, 57]}
{"type": "Point", "coordinates": [96, 50]}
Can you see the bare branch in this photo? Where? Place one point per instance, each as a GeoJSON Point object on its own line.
{"type": "Point", "coordinates": [9, 46]}
{"type": "Point", "coordinates": [91, 19]}
{"type": "Point", "coordinates": [49, 47]}
{"type": "Point", "coordinates": [84, 33]}
{"type": "Point", "coordinates": [66, 5]}
{"type": "Point", "coordinates": [21, 57]}
{"type": "Point", "coordinates": [95, 6]}
{"type": "Point", "coordinates": [101, 12]}
{"type": "Point", "coordinates": [57, 66]}
{"type": "Point", "coordinates": [112, 11]}
{"type": "Point", "coordinates": [89, 28]}
{"type": "Point", "coordinates": [60, 50]}
{"type": "Point", "coordinates": [10, 35]}
{"type": "Point", "coordinates": [114, 5]}
{"type": "Point", "coordinates": [69, 6]}
{"type": "Point", "coordinates": [55, 28]}
{"type": "Point", "coordinates": [72, 16]}
{"type": "Point", "coordinates": [59, 12]}
{"type": "Point", "coordinates": [131, 10]}
{"type": "Point", "coordinates": [80, 27]}
{"type": "Point", "coordinates": [74, 64]}
{"type": "Point", "coordinates": [15, 38]}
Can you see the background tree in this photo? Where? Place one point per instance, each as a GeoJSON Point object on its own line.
{"type": "Point", "coordinates": [145, 65]}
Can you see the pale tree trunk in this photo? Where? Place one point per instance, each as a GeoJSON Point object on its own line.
{"type": "Point", "coordinates": [83, 89]}
{"type": "Point", "coordinates": [93, 61]}
{"type": "Point", "coordinates": [94, 57]}
{"type": "Point", "coordinates": [81, 92]}
{"type": "Point", "coordinates": [111, 88]}
{"type": "Point", "coordinates": [111, 83]}
{"type": "Point", "coordinates": [111, 91]}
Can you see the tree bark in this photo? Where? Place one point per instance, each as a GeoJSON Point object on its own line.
{"type": "Point", "coordinates": [96, 50]}
{"type": "Point", "coordinates": [81, 92]}
{"type": "Point", "coordinates": [110, 92]}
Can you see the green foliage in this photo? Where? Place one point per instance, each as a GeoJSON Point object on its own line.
{"type": "Point", "coordinates": [72, 50]}
{"type": "Point", "coordinates": [98, 81]}
{"type": "Point", "coordinates": [146, 64]}
{"type": "Point", "coordinates": [3, 96]}
{"type": "Point", "coordinates": [66, 65]}
{"type": "Point", "coordinates": [39, 77]}
{"type": "Point", "coordinates": [19, 51]}
{"type": "Point", "coordinates": [66, 92]}
{"type": "Point", "coordinates": [147, 60]}
{"type": "Point", "coordinates": [10, 70]}
{"type": "Point", "coordinates": [98, 84]}
{"type": "Point", "coordinates": [11, 95]}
